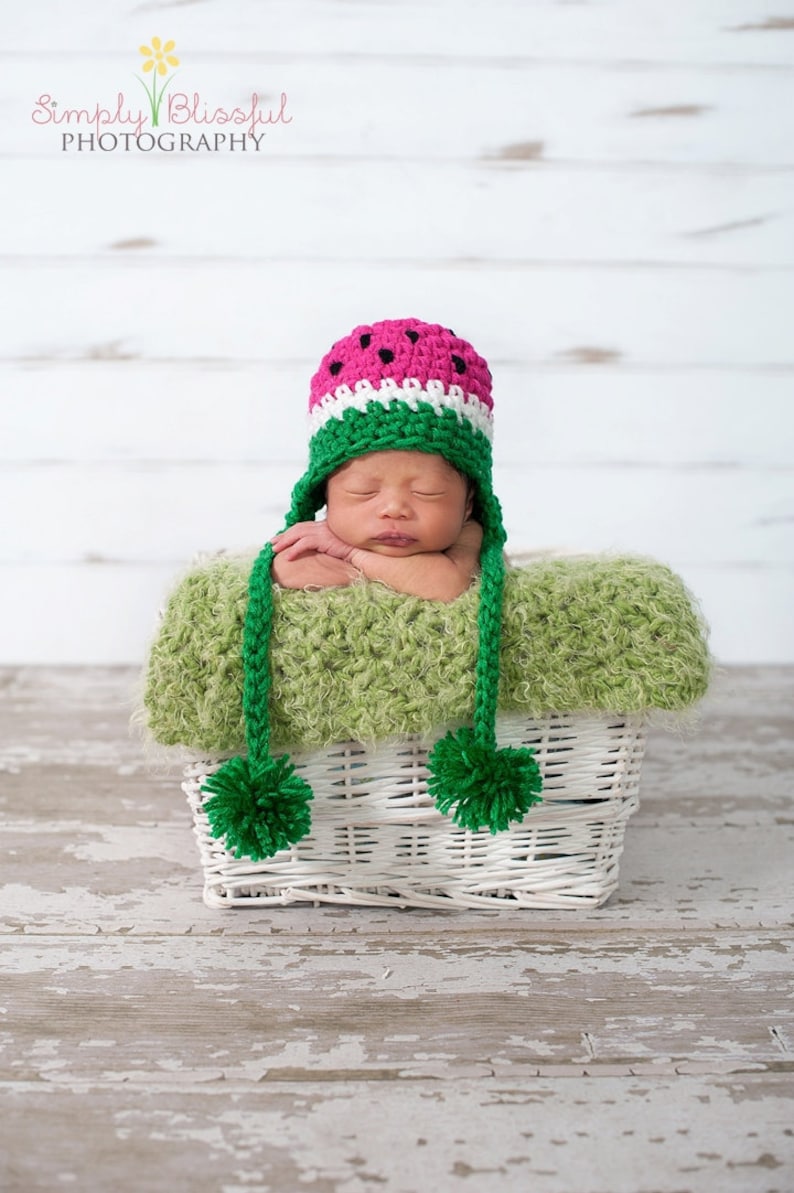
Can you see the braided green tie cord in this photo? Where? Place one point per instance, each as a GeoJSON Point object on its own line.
{"type": "Point", "coordinates": [259, 803]}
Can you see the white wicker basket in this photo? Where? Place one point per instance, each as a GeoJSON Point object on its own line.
{"type": "Point", "coordinates": [378, 840]}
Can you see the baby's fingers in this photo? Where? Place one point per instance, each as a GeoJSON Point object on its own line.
{"type": "Point", "coordinates": [294, 549]}
{"type": "Point", "coordinates": [298, 549]}
{"type": "Point", "coordinates": [287, 537]}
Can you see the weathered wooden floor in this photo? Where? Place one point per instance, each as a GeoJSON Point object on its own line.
{"type": "Point", "coordinates": [149, 1043]}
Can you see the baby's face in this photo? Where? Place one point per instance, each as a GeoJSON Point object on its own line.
{"type": "Point", "coordinates": [398, 503]}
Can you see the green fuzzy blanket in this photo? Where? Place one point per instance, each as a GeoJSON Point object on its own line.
{"type": "Point", "coordinates": [364, 662]}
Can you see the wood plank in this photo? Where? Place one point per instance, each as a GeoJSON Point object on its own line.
{"type": "Point", "coordinates": [667, 216]}
{"type": "Point", "coordinates": [748, 606]}
{"type": "Point", "coordinates": [693, 1133]}
{"type": "Point", "coordinates": [83, 624]}
{"type": "Point", "coordinates": [715, 34]}
{"type": "Point", "coordinates": [623, 313]}
{"type": "Point", "coordinates": [722, 759]}
{"type": "Point", "coordinates": [513, 1004]}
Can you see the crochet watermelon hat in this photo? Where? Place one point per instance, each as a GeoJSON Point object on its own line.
{"type": "Point", "coordinates": [397, 384]}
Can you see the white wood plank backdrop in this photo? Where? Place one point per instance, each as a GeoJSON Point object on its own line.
{"type": "Point", "coordinates": [599, 195]}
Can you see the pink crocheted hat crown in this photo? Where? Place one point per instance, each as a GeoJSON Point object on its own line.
{"type": "Point", "coordinates": [406, 360]}
{"type": "Point", "coordinates": [401, 383]}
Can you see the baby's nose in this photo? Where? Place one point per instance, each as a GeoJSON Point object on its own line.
{"type": "Point", "coordinates": [395, 504]}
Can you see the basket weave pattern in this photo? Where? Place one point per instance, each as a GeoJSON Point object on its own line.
{"type": "Point", "coordinates": [378, 840]}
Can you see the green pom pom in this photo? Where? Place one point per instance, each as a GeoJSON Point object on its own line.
{"type": "Point", "coordinates": [261, 810]}
{"type": "Point", "coordinates": [490, 787]}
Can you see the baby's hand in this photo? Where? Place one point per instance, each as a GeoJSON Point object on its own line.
{"type": "Point", "coordinates": [312, 571]}
{"type": "Point", "coordinates": [310, 537]}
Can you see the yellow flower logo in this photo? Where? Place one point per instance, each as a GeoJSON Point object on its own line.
{"type": "Point", "coordinates": [158, 58]}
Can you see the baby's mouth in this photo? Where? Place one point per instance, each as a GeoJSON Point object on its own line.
{"type": "Point", "coordinates": [393, 538]}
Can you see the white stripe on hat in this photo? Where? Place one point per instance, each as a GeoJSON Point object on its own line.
{"type": "Point", "coordinates": [468, 407]}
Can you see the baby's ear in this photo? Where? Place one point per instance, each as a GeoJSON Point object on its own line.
{"type": "Point", "coordinates": [471, 492]}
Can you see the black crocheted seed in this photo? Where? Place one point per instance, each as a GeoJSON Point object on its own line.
{"type": "Point", "coordinates": [451, 332]}
{"type": "Point", "coordinates": [413, 336]}
{"type": "Point", "coordinates": [459, 363]}
{"type": "Point", "coordinates": [386, 355]}
{"type": "Point", "coordinates": [365, 339]}
{"type": "Point", "coordinates": [334, 367]}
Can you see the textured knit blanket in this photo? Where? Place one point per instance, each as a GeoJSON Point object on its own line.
{"type": "Point", "coordinates": [366, 663]}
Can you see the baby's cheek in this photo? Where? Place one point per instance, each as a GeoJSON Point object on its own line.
{"type": "Point", "coordinates": [342, 523]}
